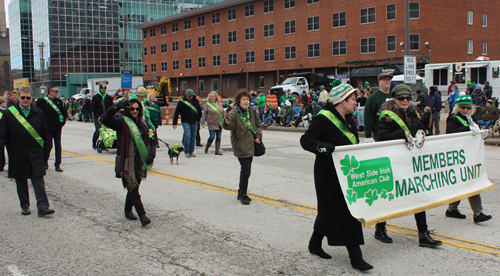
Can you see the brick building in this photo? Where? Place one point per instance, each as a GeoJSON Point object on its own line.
{"type": "Point", "coordinates": [245, 44]}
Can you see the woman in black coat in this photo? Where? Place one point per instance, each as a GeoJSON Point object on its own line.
{"type": "Point", "coordinates": [130, 166]}
{"type": "Point", "coordinates": [460, 120]}
{"type": "Point", "coordinates": [334, 219]}
{"type": "Point", "coordinates": [393, 113]}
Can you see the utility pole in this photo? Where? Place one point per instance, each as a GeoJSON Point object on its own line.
{"type": "Point", "coordinates": [407, 28]}
{"type": "Point", "coordinates": [125, 19]}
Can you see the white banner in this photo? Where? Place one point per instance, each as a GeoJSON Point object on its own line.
{"type": "Point", "coordinates": [386, 180]}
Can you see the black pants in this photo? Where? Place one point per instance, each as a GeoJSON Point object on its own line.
{"type": "Point", "coordinates": [133, 199]}
{"type": "Point", "coordinates": [246, 169]}
{"type": "Point", "coordinates": [56, 138]}
{"type": "Point", "coordinates": [97, 126]}
{"type": "Point", "coordinates": [421, 220]}
{"type": "Point", "coordinates": [198, 137]}
{"type": "Point", "coordinates": [40, 194]}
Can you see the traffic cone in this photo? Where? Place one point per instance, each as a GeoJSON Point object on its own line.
{"type": "Point", "coordinates": [167, 115]}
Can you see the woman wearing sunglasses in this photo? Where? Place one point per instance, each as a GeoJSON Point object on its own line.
{"type": "Point", "coordinates": [460, 120]}
{"type": "Point", "coordinates": [398, 120]}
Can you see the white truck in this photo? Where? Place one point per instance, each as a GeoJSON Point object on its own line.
{"type": "Point", "coordinates": [113, 85]}
{"type": "Point", "coordinates": [299, 82]}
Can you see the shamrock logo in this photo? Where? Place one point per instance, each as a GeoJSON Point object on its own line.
{"type": "Point", "coordinates": [391, 196]}
{"type": "Point", "coordinates": [351, 196]}
{"type": "Point", "coordinates": [349, 166]}
{"type": "Point", "coordinates": [371, 196]}
{"type": "Point", "coordinates": [383, 194]}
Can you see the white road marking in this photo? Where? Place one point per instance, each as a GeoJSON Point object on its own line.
{"type": "Point", "coordinates": [15, 270]}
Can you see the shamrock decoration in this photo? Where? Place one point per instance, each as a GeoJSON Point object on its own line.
{"type": "Point", "coordinates": [351, 196]}
{"type": "Point", "coordinates": [391, 196]}
{"type": "Point", "coordinates": [383, 194]}
{"type": "Point", "coordinates": [349, 166]}
{"type": "Point", "coordinates": [371, 196]}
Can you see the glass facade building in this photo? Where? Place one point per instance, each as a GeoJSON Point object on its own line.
{"type": "Point", "coordinates": [20, 34]}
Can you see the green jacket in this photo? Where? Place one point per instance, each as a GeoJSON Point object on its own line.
{"type": "Point", "coordinates": [261, 101]}
{"type": "Point", "coordinates": [282, 99]}
{"type": "Point", "coordinates": [290, 111]}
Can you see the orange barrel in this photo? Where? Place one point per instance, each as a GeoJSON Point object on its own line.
{"type": "Point", "coordinates": [167, 115]}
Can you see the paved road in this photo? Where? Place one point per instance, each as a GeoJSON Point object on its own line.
{"type": "Point", "coordinates": [199, 228]}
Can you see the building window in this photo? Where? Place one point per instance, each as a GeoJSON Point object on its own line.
{"type": "Point", "coordinates": [187, 44]}
{"type": "Point", "coordinates": [368, 15]}
{"type": "Point", "coordinates": [175, 46]}
{"type": "Point", "coordinates": [163, 29]}
{"type": "Point", "coordinates": [249, 10]}
{"type": "Point", "coordinates": [215, 85]}
{"type": "Point", "coordinates": [231, 36]}
{"type": "Point", "coordinates": [175, 27]}
{"type": "Point", "coordinates": [391, 43]}
{"type": "Point", "coordinates": [233, 59]}
{"type": "Point", "coordinates": [201, 42]}
{"type": "Point", "coordinates": [290, 27]}
{"type": "Point", "coordinates": [289, 4]}
{"type": "Point", "coordinates": [145, 34]}
{"type": "Point", "coordinates": [215, 39]}
{"type": "Point", "coordinates": [163, 48]}
{"type": "Point", "coordinates": [201, 21]}
{"type": "Point", "coordinates": [415, 42]}
{"type": "Point", "coordinates": [414, 10]}
{"type": "Point", "coordinates": [231, 14]}
{"type": "Point", "coordinates": [485, 20]}
{"type": "Point", "coordinates": [470, 47]}
{"type": "Point", "coordinates": [269, 30]}
{"type": "Point", "coordinates": [339, 48]}
{"type": "Point", "coordinates": [312, 1]}
{"type": "Point", "coordinates": [368, 45]}
{"type": "Point", "coordinates": [201, 62]}
{"type": "Point", "coordinates": [268, 6]}
{"type": "Point", "coordinates": [145, 51]}
{"type": "Point", "coordinates": [216, 18]}
{"type": "Point", "coordinates": [470, 16]}
{"type": "Point", "coordinates": [164, 66]}
{"type": "Point", "coordinates": [216, 61]}
{"type": "Point", "coordinates": [187, 24]}
{"type": "Point", "coordinates": [152, 32]}
{"type": "Point", "coordinates": [153, 50]}
{"type": "Point", "coordinates": [485, 48]}
{"type": "Point", "coordinates": [250, 57]}
{"type": "Point", "coordinates": [249, 33]}
{"type": "Point", "coordinates": [269, 55]}
{"type": "Point", "coordinates": [339, 19]}
{"type": "Point", "coordinates": [153, 67]}
{"type": "Point", "coordinates": [184, 85]}
{"type": "Point", "coordinates": [145, 68]}
{"type": "Point", "coordinates": [261, 81]}
{"type": "Point", "coordinates": [201, 85]}
{"type": "Point", "coordinates": [313, 50]}
{"type": "Point", "coordinates": [187, 63]}
{"type": "Point", "coordinates": [391, 12]}
{"type": "Point", "coordinates": [290, 52]}
{"type": "Point", "coordinates": [175, 65]}
{"type": "Point", "coordinates": [313, 23]}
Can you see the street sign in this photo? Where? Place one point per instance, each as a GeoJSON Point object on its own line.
{"type": "Point", "coordinates": [127, 78]}
{"type": "Point", "coordinates": [43, 86]}
{"type": "Point", "coordinates": [410, 70]}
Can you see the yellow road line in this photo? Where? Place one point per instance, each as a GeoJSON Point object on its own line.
{"type": "Point", "coordinates": [394, 228]}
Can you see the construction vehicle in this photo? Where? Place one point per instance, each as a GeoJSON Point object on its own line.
{"type": "Point", "coordinates": [161, 89]}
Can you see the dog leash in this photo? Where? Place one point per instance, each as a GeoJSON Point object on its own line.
{"type": "Point", "coordinates": [166, 144]}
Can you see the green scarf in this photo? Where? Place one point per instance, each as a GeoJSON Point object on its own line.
{"type": "Point", "coordinates": [246, 120]}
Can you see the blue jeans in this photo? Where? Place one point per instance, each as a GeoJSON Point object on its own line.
{"type": "Point", "coordinates": [486, 124]}
{"type": "Point", "coordinates": [289, 118]}
{"type": "Point", "coordinates": [56, 137]}
{"type": "Point", "coordinates": [189, 138]}
{"type": "Point", "coordinates": [267, 120]}
{"type": "Point", "coordinates": [262, 112]}
{"type": "Point", "coordinates": [214, 134]}
{"type": "Point", "coordinates": [361, 117]}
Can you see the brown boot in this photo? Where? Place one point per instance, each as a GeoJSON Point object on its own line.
{"type": "Point", "coordinates": [217, 148]}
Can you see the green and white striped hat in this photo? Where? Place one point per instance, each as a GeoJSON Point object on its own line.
{"type": "Point", "coordinates": [464, 99]}
{"type": "Point", "coordinates": [341, 92]}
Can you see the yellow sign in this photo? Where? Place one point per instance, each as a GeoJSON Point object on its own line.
{"type": "Point", "coordinates": [20, 83]}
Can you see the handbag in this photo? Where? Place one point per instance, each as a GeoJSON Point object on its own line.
{"type": "Point", "coordinates": [260, 149]}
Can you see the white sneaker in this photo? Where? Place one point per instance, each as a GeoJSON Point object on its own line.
{"type": "Point", "coordinates": [188, 155]}
{"type": "Point", "coordinates": [192, 155]}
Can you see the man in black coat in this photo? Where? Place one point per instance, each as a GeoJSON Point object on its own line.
{"type": "Point", "coordinates": [100, 103]}
{"type": "Point", "coordinates": [189, 110]}
{"type": "Point", "coordinates": [27, 154]}
{"type": "Point", "coordinates": [53, 109]}
{"type": "Point", "coordinates": [434, 102]}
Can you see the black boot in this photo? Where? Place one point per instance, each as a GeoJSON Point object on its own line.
{"type": "Point", "coordinates": [243, 198]}
{"type": "Point", "coordinates": [217, 148]}
{"type": "Point", "coordinates": [356, 257]}
{"type": "Point", "coordinates": [425, 240]}
{"type": "Point", "coordinates": [144, 220]}
{"type": "Point", "coordinates": [208, 146]}
{"type": "Point", "coordinates": [130, 215]}
{"type": "Point", "coordinates": [315, 246]}
{"type": "Point", "coordinates": [381, 234]}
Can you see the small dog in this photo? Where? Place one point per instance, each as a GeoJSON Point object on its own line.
{"type": "Point", "coordinates": [174, 151]}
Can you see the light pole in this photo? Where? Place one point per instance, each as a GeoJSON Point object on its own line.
{"type": "Point", "coordinates": [407, 27]}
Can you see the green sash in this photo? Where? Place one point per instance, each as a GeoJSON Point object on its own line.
{"type": "Point", "coordinates": [26, 125]}
{"type": "Point", "coordinates": [190, 105]}
{"type": "Point", "coordinates": [462, 120]}
{"type": "Point", "coordinates": [136, 134]}
{"type": "Point", "coordinates": [154, 109]}
{"type": "Point", "coordinates": [246, 120]}
{"type": "Point", "coordinates": [341, 126]}
{"type": "Point", "coordinates": [61, 118]}
{"type": "Point", "coordinates": [216, 110]}
{"type": "Point", "coordinates": [396, 118]}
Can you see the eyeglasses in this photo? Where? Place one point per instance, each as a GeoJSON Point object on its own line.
{"type": "Point", "coordinates": [25, 98]}
{"type": "Point", "coordinates": [54, 91]}
{"type": "Point", "coordinates": [465, 107]}
{"type": "Point", "coordinates": [134, 108]}
{"type": "Point", "coordinates": [402, 98]}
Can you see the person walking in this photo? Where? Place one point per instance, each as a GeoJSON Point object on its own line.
{"type": "Point", "coordinates": [189, 110]}
{"type": "Point", "coordinates": [261, 104]}
{"type": "Point", "coordinates": [398, 120]}
{"type": "Point", "coordinates": [53, 109]}
{"type": "Point", "coordinates": [135, 154]}
{"type": "Point", "coordinates": [213, 116]}
{"type": "Point", "coordinates": [334, 126]}
{"type": "Point", "coordinates": [461, 121]}
{"type": "Point", "coordinates": [361, 100]}
{"type": "Point", "coordinates": [100, 103]}
{"type": "Point", "coordinates": [23, 131]}
{"type": "Point", "coordinates": [154, 110]}
{"type": "Point", "coordinates": [246, 130]}
{"type": "Point", "coordinates": [12, 99]}
{"type": "Point", "coordinates": [434, 102]}
{"type": "Point", "coordinates": [372, 106]}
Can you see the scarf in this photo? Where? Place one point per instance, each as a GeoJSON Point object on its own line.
{"type": "Point", "coordinates": [127, 160]}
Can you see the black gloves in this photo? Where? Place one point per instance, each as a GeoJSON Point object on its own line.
{"type": "Point", "coordinates": [150, 159]}
{"type": "Point", "coordinates": [121, 105]}
{"type": "Point", "coordinates": [326, 148]}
